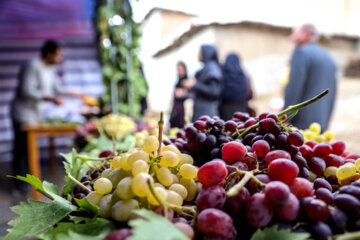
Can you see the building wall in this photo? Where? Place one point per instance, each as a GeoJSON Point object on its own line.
{"type": "Point", "coordinates": [172, 20]}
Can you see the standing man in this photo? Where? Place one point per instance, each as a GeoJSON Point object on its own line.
{"type": "Point", "coordinates": [38, 86]}
{"type": "Point", "coordinates": [312, 71]}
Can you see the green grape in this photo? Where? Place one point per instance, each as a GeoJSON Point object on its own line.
{"type": "Point", "coordinates": [169, 159]}
{"type": "Point", "coordinates": [160, 192]}
{"type": "Point", "coordinates": [186, 158]}
{"type": "Point", "coordinates": [180, 189]}
{"type": "Point", "coordinates": [345, 171]}
{"type": "Point", "coordinates": [174, 198]}
{"type": "Point", "coordinates": [106, 172]}
{"type": "Point", "coordinates": [140, 155]}
{"type": "Point", "coordinates": [312, 176]}
{"type": "Point", "coordinates": [175, 178]}
{"type": "Point", "coordinates": [123, 189]}
{"type": "Point", "coordinates": [94, 198]}
{"type": "Point", "coordinates": [105, 205]}
{"type": "Point", "coordinates": [103, 186]}
{"type": "Point", "coordinates": [163, 175]}
{"type": "Point", "coordinates": [171, 148]}
{"type": "Point", "coordinates": [151, 144]}
{"type": "Point", "coordinates": [122, 210]}
{"type": "Point", "coordinates": [123, 162]}
{"type": "Point", "coordinates": [357, 165]}
{"type": "Point", "coordinates": [190, 186]}
{"type": "Point", "coordinates": [139, 184]}
{"type": "Point", "coordinates": [139, 166]}
{"type": "Point", "coordinates": [115, 163]}
{"type": "Point", "coordinates": [116, 175]}
{"type": "Point", "coordinates": [330, 171]}
{"type": "Point", "coordinates": [315, 128]}
{"type": "Point", "coordinates": [188, 171]}
{"type": "Point", "coordinates": [158, 185]}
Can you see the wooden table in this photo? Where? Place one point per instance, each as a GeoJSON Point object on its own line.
{"type": "Point", "coordinates": [35, 131]}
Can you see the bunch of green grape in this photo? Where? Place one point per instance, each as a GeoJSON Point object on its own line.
{"type": "Point", "coordinates": [134, 176]}
{"type": "Point", "coordinates": [116, 125]}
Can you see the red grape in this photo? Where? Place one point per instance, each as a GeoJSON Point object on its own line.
{"type": "Point", "coordinates": [160, 210]}
{"type": "Point", "coordinates": [311, 143]}
{"type": "Point", "coordinates": [338, 147]}
{"type": "Point", "coordinates": [301, 188]}
{"type": "Point", "coordinates": [317, 165]}
{"type": "Point", "coordinates": [106, 153]}
{"type": "Point", "coordinates": [322, 183]}
{"type": "Point", "coordinates": [276, 154]}
{"type": "Point", "coordinates": [320, 231]}
{"type": "Point", "coordinates": [214, 223]}
{"type": "Point", "coordinates": [200, 125]}
{"type": "Point", "coordinates": [296, 138]}
{"type": "Point", "coordinates": [261, 148]}
{"type": "Point", "coordinates": [324, 194]}
{"type": "Point", "coordinates": [267, 123]}
{"type": "Point", "coordinates": [334, 160]}
{"type": "Point", "coordinates": [230, 126]}
{"type": "Point", "coordinates": [204, 118]}
{"type": "Point", "coordinates": [353, 156]}
{"type": "Point", "coordinates": [290, 211]}
{"type": "Point", "coordinates": [277, 192]}
{"type": "Point", "coordinates": [233, 152]}
{"type": "Point", "coordinates": [299, 160]}
{"type": "Point", "coordinates": [121, 234]}
{"type": "Point", "coordinates": [190, 132]}
{"type": "Point", "coordinates": [253, 186]}
{"type": "Point", "coordinates": [212, 173]}
{"type": "Point", "coordinates": [234, 205]}
{"type": "Point", "coordinates": [250, 161]}
{"type": "Point", "coordinates": [263, 115]}
{"type": "Point", "coordinates": [317, 210]}
{"type": "Point", "coordinates": [306, 151]}
{"type": "Point", "coordinates": [211, 197]}
{"type": "Point", "coordinates": [352, 190]}
{"type": "Point", "coordinates": [347, 203]}
{"type": "Point", "coordinates": [273, 116]}
{"type": "Point", "coordinates": [259, 210]}
{"type": "Point", "coordinates": [250, 122]}
{"type": "Point", "coordinates": [322, 149]}
{"type": "Point", "coordinates": [283, 170]}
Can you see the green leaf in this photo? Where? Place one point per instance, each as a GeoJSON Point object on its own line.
{"type": "Point", "coordinates": [37, 216]}
{"type": "Point", "coordinates": [96, 229]}
{"type": "Point", "coordinates": [85, 205]}
{"type": "Point", "coordinates": [128, 143]}
{"type": "Point", "coordinates": [75, 167]}
{"type": "Point", "coordinates": [273, 232]}
{"type": "Point", "coordinates": [348, 236]}
{"type": "Point", "coordinates": [151, 226]}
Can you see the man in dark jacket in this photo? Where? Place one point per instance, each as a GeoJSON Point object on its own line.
{"type": "Point", "coordinates": [312, 71]}
{"type": "Point", "coordinates": [206, 87]}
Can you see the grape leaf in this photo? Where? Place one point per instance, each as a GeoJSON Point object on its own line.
{"type": "Point", "coordinates": [36, 216]}
{"type": "Point", "coordinates": [84, 204]}
{"type": "Point", "coordinates": [347, 236]}
{"type": "Point", "coordinates": [96, 229]}
{"type": "Point", "coordinates": [151, 226]}
{"type": "Point", "coordinates": [273, 232]}
{"type": "Point", "coordinates": [75, 167]}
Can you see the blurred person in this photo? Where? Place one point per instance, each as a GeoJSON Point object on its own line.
{"type": "Point", "coordinates": [177, 116]}
{"type": "Point", "coordinates": [206, 86]}
{"type": "Point", "coordinates": [38, 85]}
{"type": "Point", "coordinates": [312, 71]}
{"type": "Point", "coordinates": [235, 92]}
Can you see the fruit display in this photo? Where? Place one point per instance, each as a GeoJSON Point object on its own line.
{"type": "Point", "coordinates": [247, 178]}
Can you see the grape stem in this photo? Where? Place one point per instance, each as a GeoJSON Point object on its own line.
{"type": "Point", "coordinates": [77, 182]}
{"type": "Point", "coordinates": [161, 124]}
{"type": "Point", "coordinates": [292, 108]}
{"type": "Point", "coordinates": [247, 176]}
{"type": "Point", "coordinates": [347, 236]}
{"type": "Point", "coordinates": [86, 158]}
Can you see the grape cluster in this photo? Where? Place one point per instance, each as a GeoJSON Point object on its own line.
{"type": "Point", "coordinates": [141, 179]}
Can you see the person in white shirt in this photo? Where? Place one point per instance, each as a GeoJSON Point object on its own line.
{"type": "Point", "coordinates": [38, 86]}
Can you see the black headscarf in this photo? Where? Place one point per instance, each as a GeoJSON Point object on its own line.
{"type": "Point", "coordinates": [234, 80]}
{"type": "Point", "coordinates": [211, 69]}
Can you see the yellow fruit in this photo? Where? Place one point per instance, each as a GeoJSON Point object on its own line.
{"type": "Point", "coordinates": [90, 100]}
{"type": "Point", "coordinates": [151, 144]}
{"type": "Point", "coordinates": [188, 171]}
{"type": "Point", "coordinates": [320, 139]}
{"type": "Point", "coordinates": [175, 178]}
{"type": "Point", "coordinates": [140, 155]}
{"type": "Point", "coordinates": [315, 128]}
{"type": "Point", "coordinates": [357, 165]}
{"type": "Point", "coordinates": [330, 171]}
{"type": "Point", "coordinates": [103, 186]}
{"type": "Point", "coordinates": [169, 159]}
{"type": "Point", "coordinates": [164, 176]}
{"type": "Point", "coordinates": [124, 163]}
{"type": "Point", "coordinates": [171, 148]}
{"type": "Point", "coordinates": [329, 135]}
{"type": "Point", "coordinates": [186, 158]}
{"type": "Point", "coordinates": [139, 185]}
{"type": "Point", "coordinates": [190, 186]}
{"type": "Point", "coordinates": [345, 171]}
{"type": "Point", "coordinates": [160, 192]}
{"type": "Point", "coordinates": [115, 163]}
{"type": "Point", "coordinates": [139, 166]}
{"type": "Point", "coordinates": [174, 198]}
{"type": "Point", "coordinates": [180, 189]}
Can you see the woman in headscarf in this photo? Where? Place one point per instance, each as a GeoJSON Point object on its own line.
{"type": "Point", "coordinates": [180, 95]}
{"type": "Point", "coordinates": [235, 93]}
{"type": "Point", "coordinates": [206, 87]}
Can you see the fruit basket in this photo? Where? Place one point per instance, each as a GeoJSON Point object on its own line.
{"type": "Point", "coordinates": [246, 178]}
